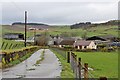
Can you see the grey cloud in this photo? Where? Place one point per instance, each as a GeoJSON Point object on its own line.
{"type": "Point", "coordinates": [59, 13]}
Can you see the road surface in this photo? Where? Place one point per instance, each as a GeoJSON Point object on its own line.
{"type": "Point", "coordinates": [50, 67]}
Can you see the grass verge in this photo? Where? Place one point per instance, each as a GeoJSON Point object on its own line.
{"type": "Point", "coordinates": [15, 62]}
{"type": "Point", "coordinates": [66, 68]}
{"type": "Point", "coordinates": [41, 58]}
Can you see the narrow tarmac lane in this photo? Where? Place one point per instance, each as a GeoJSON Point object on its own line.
{"type": "Point", "coordinates": [48, 68]}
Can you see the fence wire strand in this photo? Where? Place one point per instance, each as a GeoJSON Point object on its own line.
{"type": "Point", "coordinates": [82, 67]}
{"type": "Point", "coordinates": [89, 73]}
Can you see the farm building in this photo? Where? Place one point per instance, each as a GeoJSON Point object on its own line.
{"type": "Point", "coordinates": [67, 43]}
{"type": "Point", "coordinates": [117, 44]}
{"type": "Point", "coordinates": [54, 40]}
{"type": "Point", "coordinates": [85, 45]}
{"type": "Point", "coordinates": [103, 38]}
{"type": "Point", "coordinates": [96, 38]}
{"type": "Point", "coordinates": [13, 36]}
{"type": "Point", "coordinates": [38, 35]}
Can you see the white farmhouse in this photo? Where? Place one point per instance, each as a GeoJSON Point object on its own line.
{"type": "Point", "coordinates": [85, 45]}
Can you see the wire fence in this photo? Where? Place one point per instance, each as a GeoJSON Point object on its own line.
{"type": "Point", "coordinates": [61, 52]}
{"type": "Point", "coordinates": [80, 70]}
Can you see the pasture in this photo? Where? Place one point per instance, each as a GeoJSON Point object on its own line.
{"type": "Point", "coordinates": [92, 31]}
{"type": "Point", "coordinates": [102, 63]}
{"type": "Point", "coordinates": [11, 44]}
{"type": "Point", "coordinates": [66, 31]}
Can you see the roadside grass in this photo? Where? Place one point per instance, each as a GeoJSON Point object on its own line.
{"type": "Point", "coordinates": [66, 68]}
{"type": "Point", "coordinates": [19, 60]}
{"type": "Point", "coordinates": [41, 58]}
{"type": "Point", "coordinates": [103, 63]}
{"type": "Point", "coordinates": [15, 62]}
{"type": "Point", "coordinates": [15, 50]}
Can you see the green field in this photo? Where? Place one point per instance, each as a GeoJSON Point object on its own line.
{"type": "Point", "coordinates": [11, 44]}
{"type": "Point", "coordinates": [103, 63]}
{"type": "Point", "coordinates": [92, 31]}
{"type": "Point", "coordinates": [65, 30]}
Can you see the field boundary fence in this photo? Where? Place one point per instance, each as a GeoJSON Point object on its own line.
{"type": "Point", "coordinates": [61, 52]}
{"type": "Point", "coordinates": [80, 70]}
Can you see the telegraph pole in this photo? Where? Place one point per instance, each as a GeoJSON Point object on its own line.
{"type": "Point", "coordinates": [34, 36]}
{"type": "Point", "coordinates": [25, 42]}
{"type": "Point", "coordinates": [25, 26]}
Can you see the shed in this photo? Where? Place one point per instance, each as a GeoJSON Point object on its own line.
{"type": "Point", "coordinates": [13, 36]}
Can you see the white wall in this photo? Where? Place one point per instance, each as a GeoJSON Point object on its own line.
{"type": "Point", "coordinates": [92, 45]}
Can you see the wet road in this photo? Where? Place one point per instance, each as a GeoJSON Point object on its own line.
{"type": "Point", "coordinates": [48, 68]}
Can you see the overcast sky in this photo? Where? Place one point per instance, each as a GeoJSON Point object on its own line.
{"type": "Point", "coordinates": [62, 12]}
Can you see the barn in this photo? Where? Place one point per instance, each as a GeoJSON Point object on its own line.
{"type": "Point", "coordinates": [13, 36]}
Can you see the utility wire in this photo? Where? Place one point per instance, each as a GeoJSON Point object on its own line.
{"type": "Point", "coordinates": [21, 10]}
{"type": "Point", "coordinates": [92, 76]}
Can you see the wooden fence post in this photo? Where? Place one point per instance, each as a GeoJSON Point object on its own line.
{"type": "Point", "coordinates": [73, 62]}
{"type": "Point", "coordinates": [75, 65]}
{"type": "Point", "coordinates": [79, 67]}
{"type": "Point", "coordinates": [68, 57]}
{"type": "Point", "coordinates": [102, 78]}
{"type": "Point", "coordinates": [85, 71]}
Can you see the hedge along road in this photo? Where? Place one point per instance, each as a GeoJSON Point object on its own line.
{"type": "Point", "coordinates": [49, 67]}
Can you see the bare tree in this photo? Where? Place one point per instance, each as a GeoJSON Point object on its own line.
{"type": "Point", "coordinates": [84, 35]}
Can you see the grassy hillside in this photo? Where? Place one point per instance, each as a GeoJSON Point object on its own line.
{"type": "Point", "coordinates": [65, 30]}
{"type": "Point", "coordinates": [18, 29]}
{"type": "Point", "coordinates": [100, 30]}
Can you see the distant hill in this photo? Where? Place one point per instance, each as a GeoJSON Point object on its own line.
{"type": "Point", "coordinates": [80, 25]}
{"type": "Point", "coordinates": [111, 22]}
{"type": "Point", "coordinates": [33, 25]}
{"type": "Point", "coordinates": [89, 24]}
{"type": "Point", "coordinates": [19, 23]}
